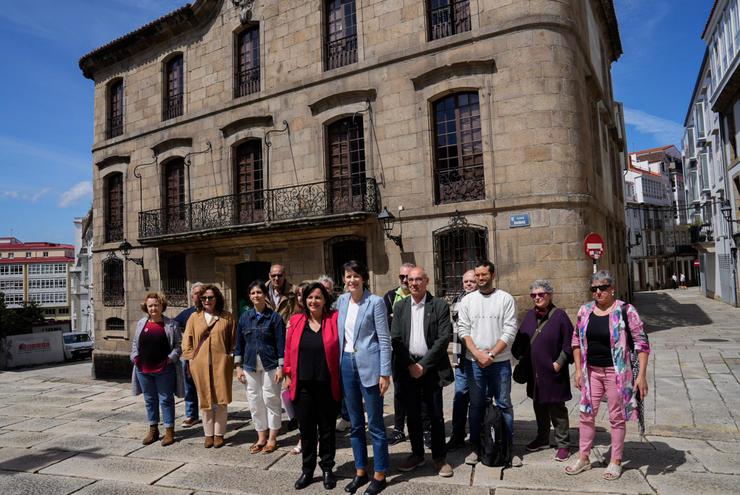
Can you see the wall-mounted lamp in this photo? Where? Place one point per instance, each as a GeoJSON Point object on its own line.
{"type": "Point", "coordinates": [638, 241]}
{"type": "Point", "coordinates": [387, 221]}
{"type": "Point", "coordinates": [125, 249]}
{"type": "Point", "coordinates": [726, 211]}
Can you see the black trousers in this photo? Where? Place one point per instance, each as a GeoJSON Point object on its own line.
{"type": "Point", "coordinates": [427, 393]}
{"type": "Point", "coordinates": [316, 411]}
{"type": "Point", "coordinates": [399, 407]}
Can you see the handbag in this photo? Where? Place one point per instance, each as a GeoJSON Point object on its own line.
{"type": "Point", "coordinates": [635, 365]}
{"type": "Point", "coordinates": [523, 370]}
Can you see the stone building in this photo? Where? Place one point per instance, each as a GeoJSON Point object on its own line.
{"type": "Point", "coordinates": [234, 134]}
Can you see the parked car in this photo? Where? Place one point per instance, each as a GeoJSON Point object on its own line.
{"type": "Point", "coordinates": [77, 345]}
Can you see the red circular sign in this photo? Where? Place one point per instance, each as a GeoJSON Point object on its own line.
{"type": "Point", "coordinates": [697, 263]}
{"type": "Point", "coordinates": [593, 246]}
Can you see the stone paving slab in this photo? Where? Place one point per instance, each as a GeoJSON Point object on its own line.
{"type": "Point", "coordinates": [93, 445]}
{"type": "Point", "coordinates": [13, 483]}
{"type": "Point", "coordinates": [14, 459]}
{"type": "Point", "coordinates": [35, 408]}
{"type": "Point", "coordinates": [84, 427]}
{"type": "Point", "coordinates": [733, 447]}
{"type": "Point", "coordinates": [35, 424]}
{"type": "Point", "coordinates": [228, 455]}
{"type": "Point", "coordinates": [694, 484]}
{"type": "Point", "coordinates": [105, 487]}
{"type": "Point", "coordinates": [9, 420]}
{"type": "Point", "coordinates": [24, 439]}
{"type": "Point", "coordinates": [718, 462]}
{"type": "Point", "coordinates": [114, 468]}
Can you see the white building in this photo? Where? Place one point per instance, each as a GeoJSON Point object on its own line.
{"type": "Point", "coordinates": [658, 235]}
{"type": "Point", "coordinates": [81, 276]}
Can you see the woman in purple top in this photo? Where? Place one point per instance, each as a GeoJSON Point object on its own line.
{"type": "Point", "coordinates": [548, 355]}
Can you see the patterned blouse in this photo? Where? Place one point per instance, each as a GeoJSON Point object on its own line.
{"type": "Point", "coordinates": [620, 353]}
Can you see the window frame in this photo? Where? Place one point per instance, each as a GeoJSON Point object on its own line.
{"type": "Point", "coordinates": [458, 22]}
{"type": "Point", "coordinates": [243, 70]}
{"type": "Point", "coordinates": [114, 110]}
{"type": "Point", "coordinates": [340, 51]}
{"type": "Point", "coordinates": [114, 220]}
{"type": "Point", "coordinates": [459, 226]}
{"type": "Point", "coordinates": [173, 87]}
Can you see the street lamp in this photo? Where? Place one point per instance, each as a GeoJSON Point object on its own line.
{"type": "Point", "coordinates": [125, 249]}
{"type": "Point", "coordinates": [387, 221]}
{"type": "Point", "coordinates": [726, 211]}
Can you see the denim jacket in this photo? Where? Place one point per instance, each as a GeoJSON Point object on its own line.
{"type": "Point", "coordinates": [262, 335]}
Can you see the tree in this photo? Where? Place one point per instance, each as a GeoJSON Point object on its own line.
{"type": "Point", "coordinates": [20, 320]}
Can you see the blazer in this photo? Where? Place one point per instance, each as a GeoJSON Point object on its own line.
{"type": "Point", "coordinates": [296, 327]}
{"type": "Point", "coordinates": [437, 333]}
{"type": "Point", "coordinates": [174, 336]}
{"type": "Point", "coordinates": [372, 338]}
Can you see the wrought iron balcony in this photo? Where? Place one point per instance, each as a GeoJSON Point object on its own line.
{"type": "Point", "coordinates": [115, 126]}
{"type": "Point", "coordinates": [341, 52]}
{"type": "Point", "coordinates": [172, 106]}
{"type": "Point", "coordinates": [449, 19]}
{"type": "Point", "coordinates": [114, 231]}
{"type": "Point", "coordinates": [176, 290]}
{"type": "Point", "coordinates": [455, 185]}
{"type": "Point", "coordinates": [259, 208]}
{"type": "Point", "coordinates": [247, 82]}
{"type": "Point", "coordinates": [113, 296]}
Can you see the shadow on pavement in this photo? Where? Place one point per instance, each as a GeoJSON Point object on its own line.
{"type": "Point", "coordinates": [659, 311]}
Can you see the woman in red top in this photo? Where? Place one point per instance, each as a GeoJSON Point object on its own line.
{"type": "Point", "coordinates": [311, 367]}
{"type": "Point", "coordinates": [154, 352]}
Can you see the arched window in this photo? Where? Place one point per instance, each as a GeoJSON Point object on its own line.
{"type": "Point", "coordinates": [114, 324]}
{"type": "Point", "coordinates": [341, 33]}
{"type": "Point", "coordinates": [346, 161]}
{"type": "Point", "coordinates": [448, 17]}
{"type": "Point", "coordinates": [113, 281]}
{"type": "Point", "coordinates": [174, 195]}
{"type": "Point", "coordinates": [114, 122]}
{"type": "Point", "coordinates": [458, 149]}
{"type": "Point", "coordinates": [114, 207]}
{"type": "Point", "coordinates": [247, 76]}
{"type": "Point", "coordinates": [249, 182]}
{"type": "Point", "coordinates": [174, 88]}
{"type": "Point", "coordinates": [457, 249]}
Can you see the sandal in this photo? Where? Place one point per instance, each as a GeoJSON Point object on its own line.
{"type": "Point", "coordinates": [613, 472]}
{"type": "Point", "coordinates": [255, 448]}
{"type": "Point", "coordinates": [269, 448]}
{"type": "Point", "coordinates": [297, 449]}
{"type": "Point", "coordinates": [579, 467]}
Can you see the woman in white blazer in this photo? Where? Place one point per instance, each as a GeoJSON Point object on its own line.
{"type": "Point", "coordinates": [365, 360]}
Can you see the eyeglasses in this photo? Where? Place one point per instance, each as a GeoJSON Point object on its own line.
{"type": "Point", "coordinates": [276, 275]}
{"type": "Point", "coordinates": [602, 288]}
{"type": "Point", "coordinates": [403, 277]}
{"type": "Point", "coordinates": [207, 298]}
{"type": "Point", "coordinates": [535, 295]}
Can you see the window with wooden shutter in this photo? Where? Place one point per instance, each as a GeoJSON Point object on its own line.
{"type": "Point", "coordinates": [173, 88]}
{"type": "Point", "coordinates": [114, 208]}
{"type": "Point", "coordinates": [249, 182]}
{"type": "Point", "coordinates": [341, 33]}
{"type": "Point", "coordinates": [347, 179]}
{"type": "Point", "coordinates": [247, 77]}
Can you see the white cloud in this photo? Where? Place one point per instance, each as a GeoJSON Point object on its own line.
{"type": "Point", "coordinates": [664, 131]}
{"type": "Point", "coordinates": [75, 193]}
{"type": "Point", "coordinates": [15, 146]}
{"type": "Point", "coordinates": [30, 196]}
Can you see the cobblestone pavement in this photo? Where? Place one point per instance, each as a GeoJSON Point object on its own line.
{"type": "Point", "coordinates": [62, 432]}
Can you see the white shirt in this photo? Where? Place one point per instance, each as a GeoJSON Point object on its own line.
{"type": "Point", "coordinates": [349, 326]}
{"type": "Point", "coordinates": [417, 342]}
{"type": "Point", "coordinates": [487, 319]}
{"type": "Point", "coordinates": [209, 317]}
{"type": "Point", "coordinates": [275, 296]}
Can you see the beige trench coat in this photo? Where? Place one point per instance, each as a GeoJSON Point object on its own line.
{"type": "Point", "coordinates": [213, 367]}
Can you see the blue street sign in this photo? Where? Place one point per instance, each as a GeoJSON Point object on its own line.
{"type": "Point", "coordinates": [521, 220]}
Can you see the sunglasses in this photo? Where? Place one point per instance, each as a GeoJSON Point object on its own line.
{"type": "Point", "coordinates": [403, 277]}
{"type": "Point", "coordinates": [535, 295]}
{"type": "Point", "coordinates": [207, 298]}
{"type": "Point", "coordinates": [602, 288]}
{"type": "Point", "coordinates": [276, 275]}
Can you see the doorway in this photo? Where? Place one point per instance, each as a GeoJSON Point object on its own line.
{"type": "Point", "coordinates": [246, 273]}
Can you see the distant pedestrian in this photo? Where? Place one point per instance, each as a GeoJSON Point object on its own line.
{"type": "Point", "coordinates": [260, 344]}
{"type": "Point", "coordinates": [674, 281]}
{"type": "Point", "coordinates": [155, 351]}
{"type": "Point", "coordinates": [461, 400]}
{"type": "Point", "coordinates": [209, 341]}
{"type": "Point", "coordinates": [683, 281]}
{"type": "Point", "coordinates": [543, 345]}
{"type": "Point", "coordinates": [191, 394]}
{"type": "Point", "coordinates": [607, 331]}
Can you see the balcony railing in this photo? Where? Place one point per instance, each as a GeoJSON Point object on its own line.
{"type": "Point", "coordinates": [247, 82]}
{"type": "Point", "coordinates": [457, 185]}
{"type": "Point", "coordinates": [293, 203]}
{"type": "Point", "coordinates": [341, 52]}
{"type": "Point", "coordinates": [172, 106]}
{"type": "Point", "coordinates": [451, 19]}
{"type": "Point", "coordinates": [114, 232]}
{"type": "Point", "coordinates": [115, 126]}
{"type": "Point", "coordinates": [113, 296]}
{"type": "Point", "coordinates": [176, 290]}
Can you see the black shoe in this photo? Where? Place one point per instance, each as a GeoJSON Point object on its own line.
{"type": "Point", "coordinates": [356, 483]}
{"type": "Point", "coordinates": [396, 436]}
{"type": "Point", "coordinates": [305, 480]}
{"type": "Point", "coordinates": [330, 481]}
{"type": "Point", "coordinates": [376, 486]}
{"type": "Point", "coordinates": [428, 439]}
{"type": "Point", "coordinates": [455, 443]}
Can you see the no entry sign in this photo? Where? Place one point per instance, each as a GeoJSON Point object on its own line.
{"type": "Point", "coordinates": [697, 263]}
{"type": "Point", "coordinates": [593, 246]}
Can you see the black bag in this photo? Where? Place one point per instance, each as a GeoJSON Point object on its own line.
{"type": "Point", "coordinates": [495, 442]}
{"type": "Point", "coordinates": [523, 370]}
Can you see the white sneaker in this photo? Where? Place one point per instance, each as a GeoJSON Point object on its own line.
{"type": "Point", "coordinates": [472, 459]}
{"type": "Point", "coordinates": [342, 425]}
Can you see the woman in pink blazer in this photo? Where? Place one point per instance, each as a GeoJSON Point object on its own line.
{"type": "Point", "coordinates": [312, 369]}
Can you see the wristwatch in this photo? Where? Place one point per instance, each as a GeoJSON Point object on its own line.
{"type": "Point", "coordinates": [491, 355]}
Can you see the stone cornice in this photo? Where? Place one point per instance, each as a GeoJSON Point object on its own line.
{"type": "Point", "coordinates": [457, 69]}
{"type": "Point", "coordinates": [246, 123]}
{"type": "Point", "coordinates": [344, 98]}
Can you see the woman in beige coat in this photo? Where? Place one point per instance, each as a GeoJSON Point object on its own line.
{"type": "Point", "coordinates": [208, 343]}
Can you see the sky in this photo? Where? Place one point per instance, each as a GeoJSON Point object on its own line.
{"type": "Point", "coordinates": [46, 104]}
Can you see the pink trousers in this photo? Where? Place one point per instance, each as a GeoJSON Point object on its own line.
{"type": "Point", "coordinates": [603, 380]}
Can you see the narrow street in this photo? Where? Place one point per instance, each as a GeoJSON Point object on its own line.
{"type": "Point", "coordinates": [62, 432]}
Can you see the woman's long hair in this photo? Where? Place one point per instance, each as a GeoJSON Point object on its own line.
{"type": "Point", "coordinates": [312, 287]}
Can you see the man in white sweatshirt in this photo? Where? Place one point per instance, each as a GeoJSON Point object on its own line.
{"type": "Point", "coordinates": [487, 324]}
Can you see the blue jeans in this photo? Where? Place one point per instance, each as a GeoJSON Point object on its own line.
{"type": "Point", "coordinates": [191, 393]}
{"type": "Point", "coordinates": [354, 395]}
{"type": "Point", "coordinates": [492, 382]}
{"type": "Point", "coordinates": [159, 390]}
{"type": "Point", "coordinates": [460, 404]}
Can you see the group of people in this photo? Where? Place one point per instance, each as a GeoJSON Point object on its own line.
{"type": "Point", "coordinates": [330, 355]}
